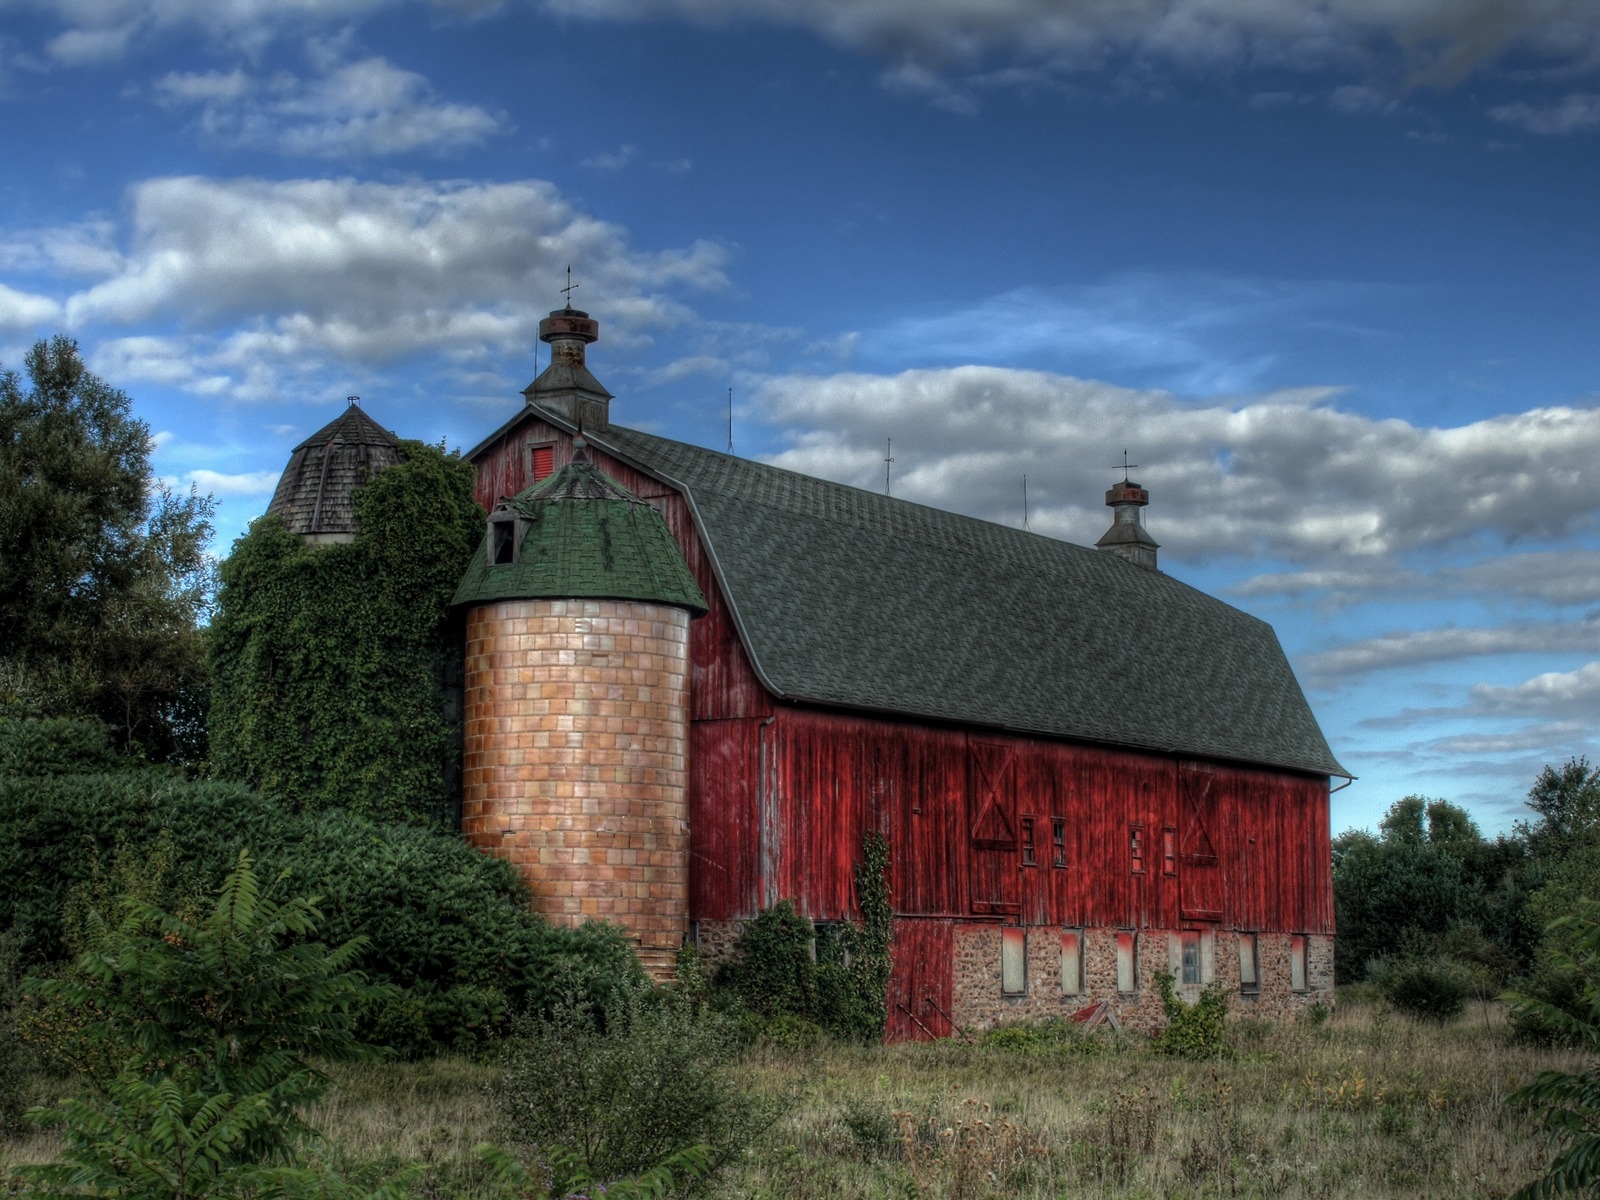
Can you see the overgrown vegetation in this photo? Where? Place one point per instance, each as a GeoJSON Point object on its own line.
{"type": "Point", "coordinates": [833, 976]}
{"type": "Point", "coordinates": [629, 1086]}
{"type": "Point", "coordinates": [1194, 1031]}
{"type": "Point", "coordinates": [330, 663]}
{"type": "Point", "coordinates": [447, 926]}
{"type": "Point", "coordinates": [104, 579]}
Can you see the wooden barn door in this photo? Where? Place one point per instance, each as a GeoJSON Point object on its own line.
{"type": "Point", "coordinates": [1199, 875]}
{"type": "Point", "coordinates": [923, 960]}
{"type": "Point", "coordinates": [992, 821]}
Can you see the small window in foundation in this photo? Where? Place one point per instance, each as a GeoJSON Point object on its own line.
{"type": "Point", "coordinates": [1136, 848]}
{"type": "Point", "coordinates": [1028, 858]}
{"type": "Point", "coordinates": [1013, 961]}
{"type": "Point", "coordinates": [1249, 969]}
{"type": "Point", "coordinates": [1127, 976]}
{"type": "Point", "coordinates": [1058, 842]}
{"type": "Point", "coordinates": [1189, 964]}
{"type": "Point", "coordinates": [1071, 962]}
{"type": "Point", "coordinates": [1297, 963]}
{"type": "Point", "coordinates": [1169, 850]}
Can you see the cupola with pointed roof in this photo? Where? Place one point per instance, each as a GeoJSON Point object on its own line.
{"type": "Point", "coordinates": [315, 494]}
{"type": "Point", "coordinates": [566, 386]}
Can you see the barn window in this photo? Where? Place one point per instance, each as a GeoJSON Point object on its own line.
{"type": "Point", "coordinates": [1189, 967]}
{"type": "Point", "coordinates": [502, 541]}
{"type": "Point", "coordinates": [1127, 976]}
{"type": "Point", "coordinates": [1028, 858]}
{"type": "Point", "coordinates": [1071, 962]}
{"type": "Point", "coordinates": [1058, 842]}
{"type": "Point", "coordinates": [1249, 970]}
{"type": "Point", "coordinates": [541, 461]}
{"type": "Point", "coordinates": [1136, 848]}
{"type": "Point", "coordinates": [1169, 850]}
{"type": "Point", "coordinates": [1297, 963]}
{"type": "Point", "coordinates": [1013, 961]}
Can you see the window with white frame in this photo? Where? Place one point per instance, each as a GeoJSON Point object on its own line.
{"type": "Point", "coordinates": [1013, 961]}
{"type": "Point", "coordinates": [1071, 962]}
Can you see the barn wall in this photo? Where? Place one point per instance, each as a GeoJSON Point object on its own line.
{"type": "Point", "coordinates": [1250, 845]}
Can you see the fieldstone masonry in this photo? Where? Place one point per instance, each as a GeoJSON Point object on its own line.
{"type": "Point", "coordinates": [576, 760]}
{"type": "Point", "coordinates": [978, 1003]}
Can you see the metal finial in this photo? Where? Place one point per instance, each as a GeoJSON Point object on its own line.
{"type": "Point", "coordinates": [570, 288]}
{"type": "Point", "coordinates": [888, 460]}
{"type": "Point", "coordinates": [354, 400]}
{"type": "Point", "coordinates": [1126, 466]}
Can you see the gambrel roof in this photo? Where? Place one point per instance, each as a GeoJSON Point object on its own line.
{"type": "Point", "coordinates": [849, 598]}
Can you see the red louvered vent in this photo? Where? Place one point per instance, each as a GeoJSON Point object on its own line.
{"type": "Point", "coordinates": [544, 461]}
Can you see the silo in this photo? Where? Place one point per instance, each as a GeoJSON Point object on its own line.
{"type": "Point", "coordinates": [575, 764]}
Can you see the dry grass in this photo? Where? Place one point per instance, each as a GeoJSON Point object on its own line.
{"type": "Point", "coordinates": [1367, 1104]}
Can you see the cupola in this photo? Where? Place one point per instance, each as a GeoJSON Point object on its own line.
{"type": "Point", "coordinates": [566, 387]}
{"type": "Point", "coordinates": [315, 496]}
{"type": "Point", "coordinates": [1127, 538]}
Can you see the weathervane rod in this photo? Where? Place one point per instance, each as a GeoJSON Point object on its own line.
{"type": "Point", "coordinates": [1025, 502]}
{"type": "Point", "coordinates": [888, 458]}
{"type": "Point", "coordinates": [730, 420]}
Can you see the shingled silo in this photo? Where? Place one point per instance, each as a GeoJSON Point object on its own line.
{"type": "Point", "coordinates": [577, 716]}
{"type": "Point", "coordinates": [315, 494]}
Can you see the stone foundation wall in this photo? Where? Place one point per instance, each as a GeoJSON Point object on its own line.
{"type": "Point", "coordinates": [716, 941]}
{"type": "Point", "coordinates": [978, 1003]}
{"type": "Point", "coordinates": [575, 764]}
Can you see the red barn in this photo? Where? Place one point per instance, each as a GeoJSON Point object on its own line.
{"type": "Point", "coordinates": [1086, 771]}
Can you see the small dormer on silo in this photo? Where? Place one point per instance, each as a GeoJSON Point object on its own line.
{"type": "Point", "coordinates": [315, 496]}
{"type": "Point", "coordinates": [566, 386]}
{"type": "Point", "coordinates": [1127, 538]}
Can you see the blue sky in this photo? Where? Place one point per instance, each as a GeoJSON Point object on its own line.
{"type": "Point", "coordinates": [1327, 270]}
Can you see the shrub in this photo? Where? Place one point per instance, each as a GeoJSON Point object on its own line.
{"type": "Point", "coordinates": [1055, 1035]}
{"type": "Point", "coordinates": [626, 1089]}
{"type": "Point", "coordinates": [1431, 989]}
{"type": "Point", "coordinates": [445, 923]}
{"type": "Point", "coordinates": [56, 746]}
{"type": "Point", "coordinates": [1197, 1030]}
{"type": "Point", "coordinates": [1551, 986]}
{"type": "Point", "coordinates": [773, 971]}
{"type": "Point", "coordinates": [13, 1073]}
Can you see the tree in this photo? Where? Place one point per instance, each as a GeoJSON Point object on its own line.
{"type": "Point", "coordinates": [330, 663]}
{"type": "Point", "coordinates": [104, 578]}
{"type": "Point", "coordinates": [1568, 806]}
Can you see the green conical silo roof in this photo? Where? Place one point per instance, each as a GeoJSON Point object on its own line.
{"type": "Point", "coordinates": [583, 537]}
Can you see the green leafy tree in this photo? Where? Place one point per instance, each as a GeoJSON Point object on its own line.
{"type": "Point", "coordinates": [331, 664]}
{"type": "Point", "coordinates": [1567, 807]}
{"type": "Point", "coordinates": [104, 578]}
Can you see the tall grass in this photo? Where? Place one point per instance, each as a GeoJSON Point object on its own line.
{"type": "Point", "coordinates": [1368, 1103]}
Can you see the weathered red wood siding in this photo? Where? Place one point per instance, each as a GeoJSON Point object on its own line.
{"type": "Point", "coordinates": [781, 796]}
{"type": "Point", "coordinates": [920, 985]}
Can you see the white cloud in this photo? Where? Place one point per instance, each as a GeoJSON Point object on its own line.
{"type": "Point", "coordinates": [25, 311]}
{"type": "Point", "coordinates": [272, 280]}
{"type": "Point", "coordinates": [364, 108]}
{"type": "Point", "coordinates": [1553, 694]}
{"type": "Point", "coordinates": [247, 483]}
{"type": "Point", "coordinates": [1287, 473]}
{"type": "Point", "coordinates": [611, 160]}
{"type": "Point", "coordinates": [102, 30]}
{"type": "Point", "coordinates": [1549, 576]}
{"type": "Point", "coordinates": [1410, 648]}
{"type": "Point", "coordinates": [1576, 112]}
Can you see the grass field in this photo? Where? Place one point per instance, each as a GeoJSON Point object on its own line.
{"type": "Point", "coordinates": [1366, 1104]}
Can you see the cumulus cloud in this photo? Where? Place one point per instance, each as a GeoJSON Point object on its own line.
{"type": "Point", "coordinates": [102, 30]}
{"type": "Point", "coordinates": [223, 485]}
{"type": "Point", "coordinates": [1288, 473]}
{"type": "Point", "coordinates": [26, 311]}
{"type": "Point", "coordinates": [268, 277]}
{"type": "Point", "coordinates": [1411, 648]}
{"type": "Point", "coordinates": [1576, 112]}
{"type": "Point", "coordinates": [365, 108]}
{"type": "Point", "coordinates": [1552, 694]}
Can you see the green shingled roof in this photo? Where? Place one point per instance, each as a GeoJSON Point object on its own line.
{"type": "Point", "coordinates": [584, 536]}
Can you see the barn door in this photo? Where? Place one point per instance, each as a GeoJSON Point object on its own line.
{"type": "Point", "coordinates": [922, 961]}
{"type": "Point", "coordinates": [1199, 875]}
{"type": "Point", "coordinates": [992, 817]}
